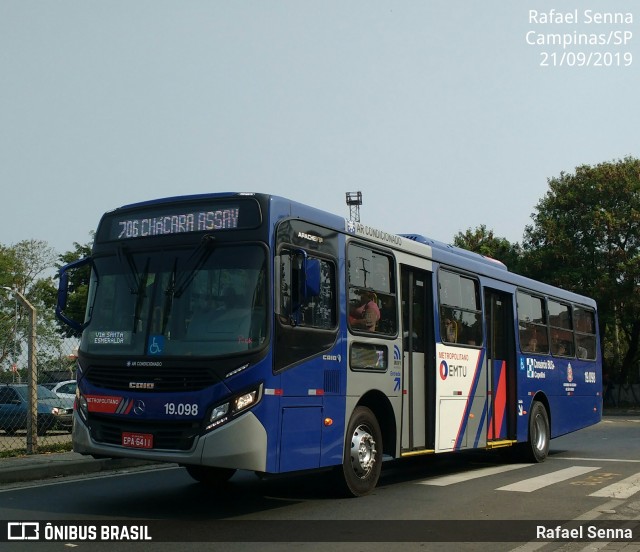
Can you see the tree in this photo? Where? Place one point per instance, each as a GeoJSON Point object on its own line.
{"type": "Point", "coordinates": [484, 242]}
{"type": "Point", "coordinates": [23, 267]}
{"type": "Point", "coordinates": [585, 237]}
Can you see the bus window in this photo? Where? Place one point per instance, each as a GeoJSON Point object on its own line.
{"type": "Point", "coordinates": [372, 298]}
{"type": "Point", "coordinates": [161, 303]}
{"type": "Point", "coordinates": [306, 324]}
{"type": "Point", "coordinates": [367, 356]}
{"type": "Point", "coordinates": [299, 309]}
{"type": "Point", "coordinates": [460, 313]}
{"type": "Point", "coordinates": [561, 329]}
{"type": "Point", "coordinates": [532, 323]}
{"type": "Point", "coordinates": [585, 322]}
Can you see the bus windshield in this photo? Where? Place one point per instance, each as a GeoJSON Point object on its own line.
{"type": "Point", "coordinates": [203, 302]}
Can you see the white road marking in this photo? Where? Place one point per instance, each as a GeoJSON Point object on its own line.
{"type": "Point", "coordinates": [622, 489]}
{"type": "Point", "coordinates": [535, 483]}
{"type": "Point", "coordinates": [575, 459]}
{"type": "Point", "coordinates": [445, 480]}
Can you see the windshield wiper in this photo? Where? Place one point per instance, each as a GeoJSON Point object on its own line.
{"type": "Point", "coordinates": [131, 275]}
{"type": "Point", "coordinates": [141, 293]}
{"type": "Point", "coordinates": [169, 294]}
{"type": "Point", "coordinates": [194, 263]}
{"type": "Point", "coordinates": [177, 286]}
{"type": "Point", "coordinates": [137, 283]}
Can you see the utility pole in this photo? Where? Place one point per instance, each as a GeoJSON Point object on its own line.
{"type": "Point", "coordinates": [32, 374]}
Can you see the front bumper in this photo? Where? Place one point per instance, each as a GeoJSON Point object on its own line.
{"type": "Point", "coordinates": [240, 444]}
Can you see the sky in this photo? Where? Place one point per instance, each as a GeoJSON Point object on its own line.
{"type": "Point", "coordinates": [441, 112]}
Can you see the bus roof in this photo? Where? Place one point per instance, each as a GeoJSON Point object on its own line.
{"type": "Point", "coordinates": [415, 243]}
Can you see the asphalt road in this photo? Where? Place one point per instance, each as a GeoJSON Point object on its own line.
{"type": "Point", "coordinates": [590, 476]}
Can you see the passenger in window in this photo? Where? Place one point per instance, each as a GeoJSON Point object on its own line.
{"type": "Point", "coordinates": [560, 349]}
{"type": "Point", "coordinates": [450, 330]}
{"type": "Point", "coordinates": [558, 345]}
{"type": "Point", "coordinates": [473, 331]}
{"type": "Point", "coordinates": [366, 315]}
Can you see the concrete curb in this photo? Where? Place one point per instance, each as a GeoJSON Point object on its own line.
{"type": "Point", "coordinates": [621, 411]}
{"type": "Point", "coordinates": [48, 466]}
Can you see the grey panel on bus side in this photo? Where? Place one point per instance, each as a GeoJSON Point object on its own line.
{"type": "Point", "coordinates": [360, 383]}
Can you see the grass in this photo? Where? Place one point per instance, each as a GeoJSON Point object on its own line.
{"type": "Point", "coordinates": [42, 449]}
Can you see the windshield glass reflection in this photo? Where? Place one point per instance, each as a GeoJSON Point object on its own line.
{"type": "Point", "coordinates": [210, 301]}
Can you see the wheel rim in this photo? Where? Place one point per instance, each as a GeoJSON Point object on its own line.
{"type": "Point", "coordinates": [540, 433]}
{"type": "Point", "coordinates": [363, 452]}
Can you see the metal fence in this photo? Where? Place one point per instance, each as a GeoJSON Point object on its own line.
{"type": "Point", "coordinates": [33, 416]}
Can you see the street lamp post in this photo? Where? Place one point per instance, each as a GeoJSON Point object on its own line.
{"type": "Point", "coordinates": [32, 374]}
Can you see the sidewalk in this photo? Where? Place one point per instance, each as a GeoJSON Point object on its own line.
{"type": "Point", "coordinates": [46, 466]}
{"type": "Point", "coordinates": [621, 411]}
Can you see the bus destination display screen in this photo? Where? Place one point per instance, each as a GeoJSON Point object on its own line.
{"type": "Point", "coordinates": [180, 219]}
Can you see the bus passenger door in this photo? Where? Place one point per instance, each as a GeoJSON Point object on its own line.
{"type": "Point", "coordinates": [418, 358]}
{"type": "Point", "coordinates": [501, 366]}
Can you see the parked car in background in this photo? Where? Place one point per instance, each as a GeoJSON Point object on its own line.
{"type": "Point", "coordinates": [65, 389]}
{"type": "Point", "coordinates": [53, 412]}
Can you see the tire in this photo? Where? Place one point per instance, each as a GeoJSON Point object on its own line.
{"type": "Point", "coordinates": [536, 448]}
{"type": "Point", "coordinates": [214, 477]}
{"type": "Point", "coordinates": [362, 459]}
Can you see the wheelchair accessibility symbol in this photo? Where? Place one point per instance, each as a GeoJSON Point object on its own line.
{"type": "Point", "coordinates": [156, 345]}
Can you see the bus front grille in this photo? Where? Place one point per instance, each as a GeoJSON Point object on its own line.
{"type": "Point", "coordinates": [155, 379]}
{"type": "Point", "coordinates": [166, 435]}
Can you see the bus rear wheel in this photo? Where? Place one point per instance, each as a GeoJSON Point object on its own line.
{"type": "Point", "coordinates": [362, 460]}
{"type": "Point", "coordinates": [208, 475]}
{"type": "Point", "coordinates": [537, 447]}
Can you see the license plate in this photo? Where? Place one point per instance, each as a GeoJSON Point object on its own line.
{"type": "Point", "coordinates": [137, 440]}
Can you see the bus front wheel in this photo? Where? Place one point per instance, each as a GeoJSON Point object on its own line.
{"type": "Point", "coordinates": [214, 477]}
{"type": "Point", "coordinates": [362, 460]}
{"type": "Point", "coordinates": [537, 447]}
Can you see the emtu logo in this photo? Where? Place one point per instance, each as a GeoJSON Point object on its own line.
{"type": "Point", "coordinates": [444, 370]}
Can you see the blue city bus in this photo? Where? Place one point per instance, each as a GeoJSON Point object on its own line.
{"type": "Point", "coordinates": [242, 331]}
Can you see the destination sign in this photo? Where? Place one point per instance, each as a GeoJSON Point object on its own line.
{"type": "Point", "coordinates": [180, 219]}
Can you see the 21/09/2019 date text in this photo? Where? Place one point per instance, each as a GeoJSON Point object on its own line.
{"type": "Point", "coordinates": [586, 59]}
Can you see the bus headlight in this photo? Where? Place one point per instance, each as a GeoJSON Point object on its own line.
{"type": "Point", "coordinates": [224, 412]}
{"type": "Point", "coordinates": [245, 401]}
{"type": "Point", "coordinates": [219, 412]}
{"type": "Point", "coordinates": [82, 407]}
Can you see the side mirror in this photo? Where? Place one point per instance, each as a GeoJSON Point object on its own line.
{"type": "Point", "coordinates": [311, 284]}
{"type": "Point", "coordinates": [297, 280]}
{"type": "Point", "coordinates": [63, 292]}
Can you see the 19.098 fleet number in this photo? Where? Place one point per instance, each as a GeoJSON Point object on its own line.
{"type": "Point", "coordinates": [181, 409]}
